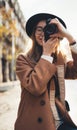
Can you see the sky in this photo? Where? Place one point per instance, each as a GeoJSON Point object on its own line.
{"type": "Point", "coordinates": [66, 9]}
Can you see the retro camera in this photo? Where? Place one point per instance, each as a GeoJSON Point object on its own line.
{"type": "Point", "coordinates": [49, 29]}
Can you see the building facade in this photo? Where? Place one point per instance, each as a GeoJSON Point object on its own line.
{"type": "Point", "coordinates": [13, 38]}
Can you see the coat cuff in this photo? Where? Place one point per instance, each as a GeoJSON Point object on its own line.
{"type": "Point", "coordinates": [48, 58]}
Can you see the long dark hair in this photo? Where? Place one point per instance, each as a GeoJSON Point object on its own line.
{"type": "Point", "coordinates": [36, 51]}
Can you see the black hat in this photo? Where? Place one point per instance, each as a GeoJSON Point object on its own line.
{"type": "Point", "coordinates": [32, 21]}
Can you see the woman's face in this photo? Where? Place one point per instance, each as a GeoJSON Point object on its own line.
{"type": "Point", "coordinates": [39, 34]}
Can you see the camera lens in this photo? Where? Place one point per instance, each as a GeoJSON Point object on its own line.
{"type": "Point", "coordinates": [49, 29]}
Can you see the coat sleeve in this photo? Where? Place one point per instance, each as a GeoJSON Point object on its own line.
{"type": "Point", "coordinates": [34, 79]}
{"type": "Point", "coordinates": [71, 69]}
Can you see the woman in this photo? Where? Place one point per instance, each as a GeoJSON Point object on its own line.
{"type": "Point", "coordinates": [41, 73]}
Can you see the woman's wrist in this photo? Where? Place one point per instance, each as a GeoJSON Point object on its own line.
{"type": "Point", "coordinates": [73, 47]}
{"type": "Point", "coordinates": [73, 43]}
{"type": "Point", "coordinates": [45, 53]}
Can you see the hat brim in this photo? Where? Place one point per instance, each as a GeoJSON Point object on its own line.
{"type": "Point", "coordinates": [32, 22]}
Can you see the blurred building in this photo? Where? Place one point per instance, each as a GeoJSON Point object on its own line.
{"type": "Point", "coordinates": [13, 38]}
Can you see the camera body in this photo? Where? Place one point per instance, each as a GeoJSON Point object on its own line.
{"type": "Point", "coordinates": [49, 29]}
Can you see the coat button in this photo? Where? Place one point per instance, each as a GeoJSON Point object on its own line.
{"type": "Point", "coordinates": [42, 102]}
{"type": "Point", "coordinates": [40, 120]}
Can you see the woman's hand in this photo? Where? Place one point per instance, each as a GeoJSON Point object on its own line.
{"type": "Point", "coordinates": [50, 46]}
{"type": "Point", "coordinates": [62, 31]}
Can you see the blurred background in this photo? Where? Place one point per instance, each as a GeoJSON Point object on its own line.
{"type": "Point", "coordinates": [13, 40]}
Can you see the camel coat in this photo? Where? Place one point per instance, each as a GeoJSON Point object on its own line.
{"type": "Point", "coordinates": [34, 111]}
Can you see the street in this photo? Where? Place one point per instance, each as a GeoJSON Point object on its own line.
{"type": "Point", "coordinates": [71, 97]}
{"type": "Point", "coordinates": [9, 101]}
